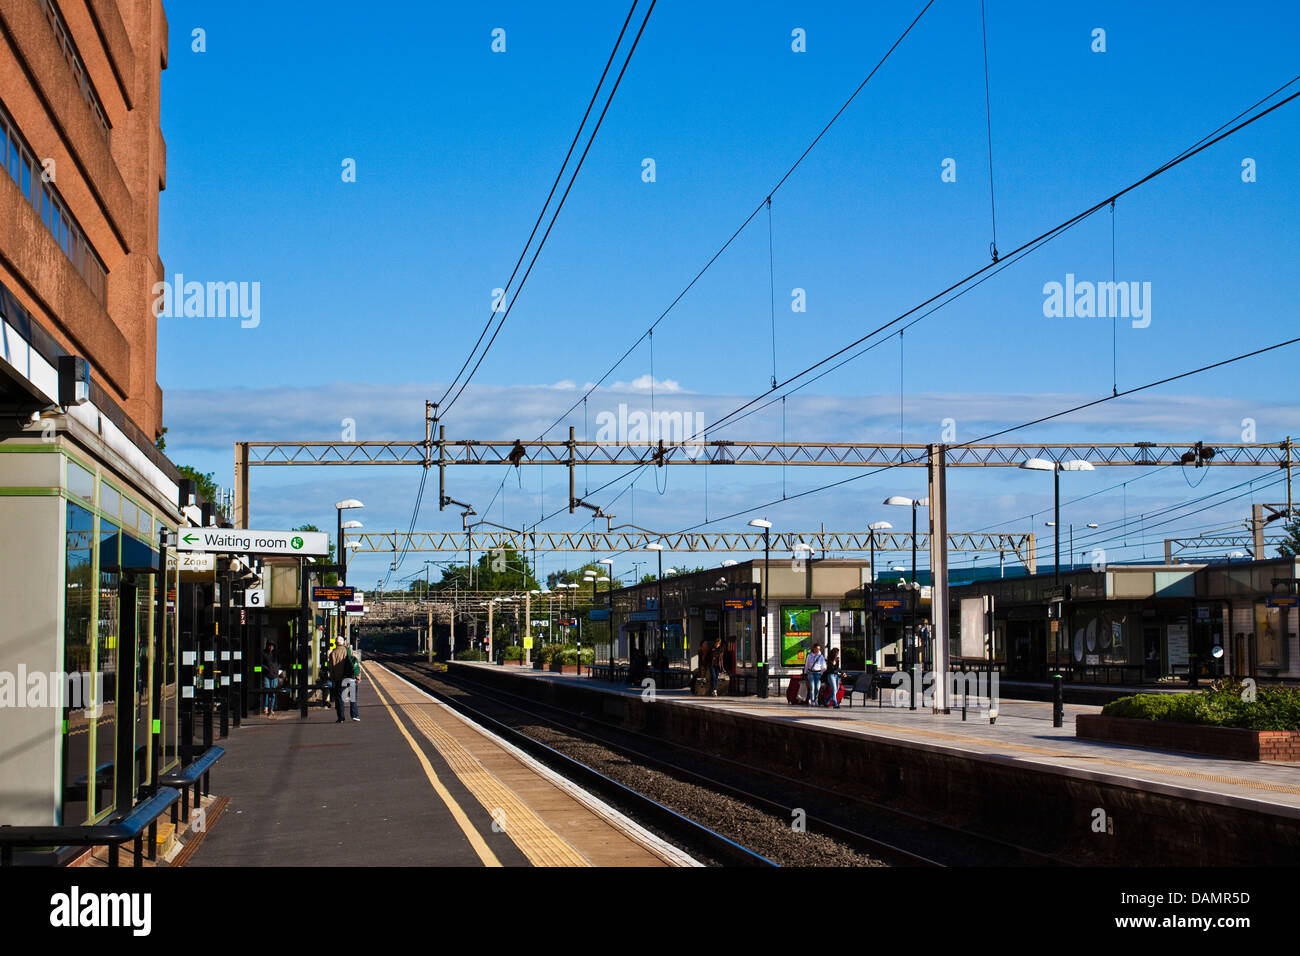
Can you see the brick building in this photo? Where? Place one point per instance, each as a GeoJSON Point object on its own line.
{"type": "Point", "coordinates": [84, 493]}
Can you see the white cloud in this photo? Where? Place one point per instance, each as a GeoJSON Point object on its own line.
{"type": "Point", "coordinates": [642, 384]}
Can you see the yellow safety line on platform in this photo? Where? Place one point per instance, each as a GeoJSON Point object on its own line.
{"type": "Point", "coordinates": [477, 842]}
{"type": "Point", "coordinates": [1149, 768]}
{"type": "Point", "coordinates": [542, 845]}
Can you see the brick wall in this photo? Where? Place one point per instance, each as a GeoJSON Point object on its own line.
{"type": "Point", "coordinates": [1233, 743]}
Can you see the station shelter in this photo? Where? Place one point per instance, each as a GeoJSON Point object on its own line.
{"type": "Point", "coordinates": [1133, 624]}
{"type": "Point", "coordinates": [810, 600]}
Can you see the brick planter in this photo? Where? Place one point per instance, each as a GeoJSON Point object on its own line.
{"type": "Point", "coordinates": [564, 668]}
{"type": "Point", "coordinates": [510, 663]}
{"type": "Point", "coordinates": [1234, 743]}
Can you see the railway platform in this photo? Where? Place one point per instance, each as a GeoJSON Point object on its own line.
{"type": "Point", "coordinates": [1023, 731]}
{"type": "Point", "coordinates": [411, 783]}
{"type": "Point", "coordinates": [916, 756]}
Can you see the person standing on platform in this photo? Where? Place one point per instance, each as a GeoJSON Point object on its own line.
{"type": "Point", "coordinates": [715, 665]}
{"type": "Point", "coordinates": [270, 678]}
{"type": "Point", "coordinates": [352, 679]}
{"type": "Point", "coordinates": [339, 668]}
{"type": "Point", "coordinates": [813, 666]}
{"type": "Point", "coordinates": [833, 677]}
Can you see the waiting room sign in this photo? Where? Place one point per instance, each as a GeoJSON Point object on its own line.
{"type": "Point", "coordinates": [243, 541]}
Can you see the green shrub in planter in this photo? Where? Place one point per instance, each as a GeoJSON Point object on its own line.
{"type": "Point", "coordinates": [471, 654]}
{"type": "Point", "coordinates": [1223, 705]}
{"type": "Point", "coordinates": [512, 653]}
{"type": "Point", "coordinates": [569, 655]}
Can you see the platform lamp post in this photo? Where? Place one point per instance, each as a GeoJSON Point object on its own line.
{"type": "Point", "coordinates": [760, 646]}
{"type": "Point", "coordinates": [912, 503]}
{"type": "Point", "coordinates": [341, 554]}
{"type": "Point", "coordinates": [340, 507]}
{"type": "Point", "coordinates": [658, 549]}
{"type": "Point", "coordinates": [1056, 467]}
{"type": "Point", "coordinates": [609, 621]}
{"type": "Point", "coordinates": [875, 634]}
{"type": "Point", "coordinates": [586, 576]}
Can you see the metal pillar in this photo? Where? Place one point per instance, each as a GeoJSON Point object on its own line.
{"type": "Point", "coordinates": [939, 575]}
{"type": "Point", "coordinates": [760, 648]}
{"type": "Point", "coordinates": [240, 518]}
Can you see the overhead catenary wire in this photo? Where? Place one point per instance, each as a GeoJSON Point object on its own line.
{"type": "Point", "coordinates": [748, 219]}
{"type": "Point", "coordinates": [1204, 143]}
{"type": "Point", "coordinates": [555, 215]}
{"type": "Point", "coordinates": [559, 175]}
{"type": "Point", "coordinates": [917, 460]}
{"type": "Point", "coordinates": [988, 119]}
{"type": "Point", "coordinates": [443, 404]}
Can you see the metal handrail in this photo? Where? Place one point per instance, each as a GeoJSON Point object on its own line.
{"type": "Point", "coordinates": [129, 827]}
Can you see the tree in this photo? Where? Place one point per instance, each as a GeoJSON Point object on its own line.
{"type": "Point", "coordinates": [204, 483]}
{"type": "Point", "coordinates": [501, 569]}
{"type": "Point", "coordinates": [330, 579]}
{"type": "Point", "coordinates": [1290, 547]}
{"type": "Point", "coordinates": [575, 577]}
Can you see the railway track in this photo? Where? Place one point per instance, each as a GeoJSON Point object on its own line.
{"type": "Point", "coordinates": [793, 828]}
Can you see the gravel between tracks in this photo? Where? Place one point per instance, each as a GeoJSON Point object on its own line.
{"type": "Point", "coordinates": [755, 829]}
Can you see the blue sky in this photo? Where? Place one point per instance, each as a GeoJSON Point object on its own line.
{"type": "Point", "coordinates": [373, 292]}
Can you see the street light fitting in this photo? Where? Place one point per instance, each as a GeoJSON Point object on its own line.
{"type": "Point", "coordinates": [1038, 464]}
{"type": "Point", "coordinates": [880, 526]}
{"type": "Point", "coordinates": [760, 523]}
{"type": "Point", "coordinates": [348, 503]}
{"type": "Point", "coordinates": [654, 546]}
{"type": "Point", "coordinates": [347, 525]}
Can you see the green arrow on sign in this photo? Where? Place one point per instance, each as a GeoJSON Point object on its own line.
{"type": "Point", "coordinates": [189, 539]}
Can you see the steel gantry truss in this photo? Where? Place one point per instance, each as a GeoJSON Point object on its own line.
{"type": "Point", "coordinates": [442, 453]}
{"type": "Point", "coordinates": [1175, 546]}
{"type": "Point", "coordinates": [935, 457]}
{"type": "Point", "coordinates": [611, 542]}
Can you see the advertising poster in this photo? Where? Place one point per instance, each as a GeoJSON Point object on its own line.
{"type": "Point", "coordinates": [796, 632]}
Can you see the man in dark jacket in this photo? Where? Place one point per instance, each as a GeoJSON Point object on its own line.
{"type": "Point", "coordinates": [344, 671]}
{"type": "Point", "coordinates": [270, 678]}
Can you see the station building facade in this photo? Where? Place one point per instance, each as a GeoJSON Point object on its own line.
{"type": "Point", "coordinates": [1132, 624]}
{"type": "Point", "coordinates": [84, 492]}
{"type": "Point", "coordinates": [809, 600]}
{"type": "Point", "coordinates": [1125, 624]}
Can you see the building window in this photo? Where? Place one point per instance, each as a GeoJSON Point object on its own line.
{"type": "Point", "coordinates": [78, 611]}
{"type": "Point", "coordinates": [52, 210]}
{"type": "Point", "coordinates": [108, 627]}
{"type": "Point", "coordinates": [69, 48]}
{"type": "Point", "coordinates": [1270, 645]}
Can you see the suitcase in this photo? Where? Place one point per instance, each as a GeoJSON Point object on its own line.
{"type": "Point", "coordinates": [797, 690]}
{"type": "Point", "coordinates": [823, 698]}
{"type": "Point", "coordinates": [700, 687]}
